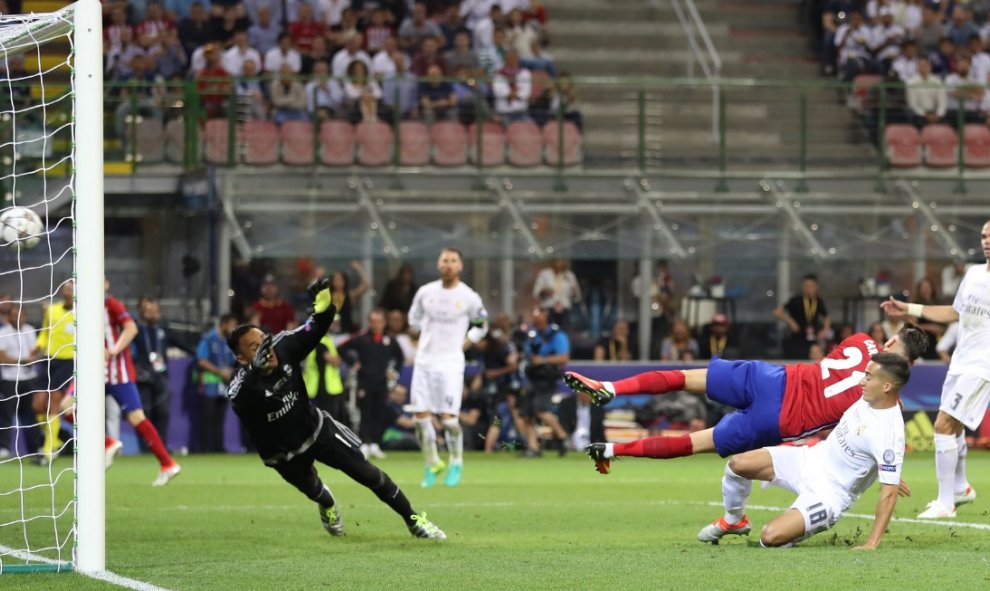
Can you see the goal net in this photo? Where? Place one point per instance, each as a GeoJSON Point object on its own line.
{"type": "Point", "coordinates": [51, 275]}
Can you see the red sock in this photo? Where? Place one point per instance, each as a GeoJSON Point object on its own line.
{"type": "Point", "coordinates": [656, 447]}
{"type": "Point", "coordinates": [651, 382]}
{"type": "Point", "coordinates": [108, 441]}
{"type": "Point", "coordinates": [148, 432]}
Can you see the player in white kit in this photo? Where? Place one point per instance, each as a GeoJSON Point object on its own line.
{"type": "Point", "coordinates": [966, 391]}
{"type": "Point", "coordinates": [867, 445]}
{"type": "Point", "coordinates": [445, 312]}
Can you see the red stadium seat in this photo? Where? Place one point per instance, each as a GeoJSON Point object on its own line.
{"type": "Point", "coordinates": [175, 140]}
{"type": "Point", "coordinates": [903, 145]}
{"type": "Point", "coordinates": [150, 141]}
{"type": "Point", "coordinates": [216, 135]}
{"type": "Point", "coordinates": [297, 143]}
{"type": "Point", "coordinates": [525, 143]}
{"type": "Point", "coordinates": [572, 143]}
{"type": "Point", "coordinates": [450, 141]}
{"type": "Point", "coordinates": [861, 90]}
{"type": "Point", "coordinates": [414, 144]}
{"type": "Point", "coordinates": [976, 138]}
{"type": "Point", "coordinates": [337, 143]}
{"type": "Point", "coordinates": [492, 143]}
{"type": "Point", "coordinates": [259, 141]}
{"type": "Point", "coordinates": [374, 143]}
{"type": "Point", "coordinates": [940, 146]}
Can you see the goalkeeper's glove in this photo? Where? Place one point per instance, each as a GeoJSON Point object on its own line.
{"type": "Point", "coordinates": [262, 357]}
{"type": "Point", "coordinates": [319, 291]}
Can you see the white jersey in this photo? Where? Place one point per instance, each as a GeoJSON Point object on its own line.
{"type": "Point", "coordinates": [442, 316]}
{"type": "Point", "coordinates": [866, 443]}
{"type": "Point", "coordinates": [973, 305]}
{"type": "Point", "coordinates": [18, 344]}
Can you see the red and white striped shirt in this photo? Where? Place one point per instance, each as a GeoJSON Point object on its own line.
{"type": "Point", "coordinates": [120, 367]}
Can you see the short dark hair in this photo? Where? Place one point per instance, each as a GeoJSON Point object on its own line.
{"type": "Point", "coordinates": [810, 276]}
{"type": "Point", "coordinates": [914, 340]}
{"type": "Point", "coordinates": [225, 318]}
{"type": "Point", "coordinates": [895, 366]}
{"type": "Point", "coordinates": [453, 250]}
{"type": "Point", "coordinates": [235, 336]}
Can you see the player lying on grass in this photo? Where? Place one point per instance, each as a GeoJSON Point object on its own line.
{"type": "Point", "coordinates": [269, 397]}
{"type": "Point", "coordinates": [776, 403]}
{"type": "Point", "coordinates": [867, 445]}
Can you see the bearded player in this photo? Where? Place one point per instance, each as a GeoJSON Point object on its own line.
{"type": "Point", "coordinates": [775, 403]}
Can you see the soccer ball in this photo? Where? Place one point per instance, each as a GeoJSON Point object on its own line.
{"type": "Point", "coordinates": [20, 228]}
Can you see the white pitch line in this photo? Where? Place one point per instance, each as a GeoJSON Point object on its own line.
{"type": "Point", "coordinates": [103, 575]}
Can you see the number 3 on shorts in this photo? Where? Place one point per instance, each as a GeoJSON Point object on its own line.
{"type": "Point", "coordinates": [955, 403]}
{"type": "Point", "coordinates": [817, 517]}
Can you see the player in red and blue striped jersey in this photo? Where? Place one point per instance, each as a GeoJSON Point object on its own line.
{"type": "Point", "coordinates": [119, 331]}
{"type": "Point", "coordinates": [775, 403]}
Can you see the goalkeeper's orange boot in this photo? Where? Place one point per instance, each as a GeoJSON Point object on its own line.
{"type": "Point", "coordinates": [714, 531]}
{"type": "Point", "coordinates": [597, 453]}
{"type": "Point", "coordinates": [599, 394]}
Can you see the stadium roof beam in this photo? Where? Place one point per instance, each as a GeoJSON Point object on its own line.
{"type": "Point", "coordinates": [783, 201]}
{"type": "Point", "coordinates": [361, 187]}
{"type": "Point", "coordinates": [508, 202]}
{"type": "Point", "coordinates": [927, 211]}
{"type": "Point", "coordinates": [641, 189]}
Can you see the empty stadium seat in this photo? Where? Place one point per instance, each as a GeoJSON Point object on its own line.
{"type": "Point", "coordinates": [175, 140]}
{"type": "Point", "coordinates": [259, 142]}
{"type": "Point", "coordinates": [337, 143]}
{"type": "Point", "coordinates": [572, 143]}
{"type": "Point", "coordinates": [150, 140]}
{"type": "Point", "coordinates": [374, 143]}
{"type": "Point", "coordinates": [861, 86]}
{"type": "Point", "coordinates": [525, 143]}
{"type": "Point", "coordinates": [216, 141]}
{"type": "Point", "coordinates": [903, 145]}
{"type": "Point", "coordinates": [297, 143]}
{"type": "Point", "coordinates": [450, 141]}
{"type": "Point", "coordinates": [492, 143]}
{"type": "Point", "coordinates": [940, 146]}
{"type": "Point", "coordinates": [976, 138]}
{"type": "Point", "coordinates": [414, 144]}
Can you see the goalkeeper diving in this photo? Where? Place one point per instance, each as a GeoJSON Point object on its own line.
{"type": "Point", "coordinates": [269, 397]}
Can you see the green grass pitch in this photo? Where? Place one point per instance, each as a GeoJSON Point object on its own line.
{"type": "Point", "coordinates": [227, 522]}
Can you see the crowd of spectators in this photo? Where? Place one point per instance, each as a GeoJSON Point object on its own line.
{"type": "Point", "coordinates": [932, 55]}
{"type": "Point", "coordinates": [354, 60]}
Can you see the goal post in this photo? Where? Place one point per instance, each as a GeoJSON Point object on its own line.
{"type": "Point", "coordinates": [52, 517]}
{"type": "Point", "coordinates": [87, 133]}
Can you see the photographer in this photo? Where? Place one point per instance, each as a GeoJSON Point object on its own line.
{"type": "Point", "coordinates": [547, 350]}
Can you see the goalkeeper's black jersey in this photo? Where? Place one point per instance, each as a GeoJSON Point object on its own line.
{"type": "Point", "coordinates": [274, 408]}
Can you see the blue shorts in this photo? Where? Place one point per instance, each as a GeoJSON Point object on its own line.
{"type": "Point", "coordinates": [127, 396]}
{"type": "Point", "coordinates": [756, 388]}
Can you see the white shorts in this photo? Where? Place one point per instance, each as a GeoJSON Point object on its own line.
{"type": "Point", "coordinates": [437, 391]}
{"type": "Point", "coordinates": [965, 398]}
{"type": "Point", "coordinates": [789, 463]}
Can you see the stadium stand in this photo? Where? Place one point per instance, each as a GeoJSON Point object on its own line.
{"type": "Point", "coordinates": [297, 143]}
{"type": "Point", "coordinates": [903, 145]}
{"type": "Point", "coordinates": [940, 146]}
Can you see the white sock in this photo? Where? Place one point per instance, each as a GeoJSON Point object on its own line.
{"type": "Point", "coordinates": [961, 483]}
{"type": "Point", "coordinates": [735, 492]}
{"type": "Point", "coordinates": [427, 436]}
{"type": "Point", "coordinates": [608, 386]}
{"type": "Point", "coordinates": [455, 440]}
{"type": "Point", "coordinates": [375, 448]}
{"type": "Point", "coordinates": [365, 450]}
{"type": "Point", "coordinates": [946, 460]}
{"type": "Point", "coordinates": [609, 450]}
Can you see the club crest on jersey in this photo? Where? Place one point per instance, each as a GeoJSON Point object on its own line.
{"type": "Point", "coordinates": [888, 456]}
{"type": "Point", "coordinates": [860, 430]}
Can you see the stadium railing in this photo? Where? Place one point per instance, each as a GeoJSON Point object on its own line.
{"type": "Point", "coordinates": [655, 126]}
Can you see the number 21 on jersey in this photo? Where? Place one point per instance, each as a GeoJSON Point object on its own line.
{"type": "Point", "coordinates": [853, 357]}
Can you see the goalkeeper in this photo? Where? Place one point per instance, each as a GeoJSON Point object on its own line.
{"type": "Point", "coordinates": [269, 397]}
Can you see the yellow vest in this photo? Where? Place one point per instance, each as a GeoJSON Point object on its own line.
{"type": "Point", "coordinates": [57, 338]}
{"type": "Point", "coordinates": [331, 375]}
